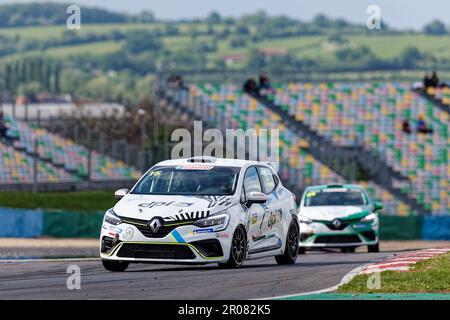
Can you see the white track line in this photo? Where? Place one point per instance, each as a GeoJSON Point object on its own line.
{"type": "Point", "coordinates": [403, 258]}
{"type": "Point", "coordinates": [349, 276]}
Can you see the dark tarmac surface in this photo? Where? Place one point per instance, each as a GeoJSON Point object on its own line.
{"type": "Point", "coordinates": [256, 279]}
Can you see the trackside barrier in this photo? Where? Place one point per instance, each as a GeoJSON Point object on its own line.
{"type": "Point", "coordinates": [436, 228]}
{"type": "Point", "coordinates": [401, 228]}
{"type": "Point", "coordinates": [70, 224]}
{"type": "Point", "coordinates": [25, 223]}
{"type": "Point", "coordinates": [20, 223]}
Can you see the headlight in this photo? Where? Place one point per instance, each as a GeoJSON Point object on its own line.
{"type": "Point", "coordinates": [112, 218]}
{"type": "Point", "coordinates": [220, 220]}
{"type": "Point", "coordinates": [304, 219]}
{"type": "Point", "coordinates": [369, 218]}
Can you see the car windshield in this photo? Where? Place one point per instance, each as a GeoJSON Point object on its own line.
{"type": "Point", "coordinates": [335, 198]}
{"type": "Point", "coordinates": [189, 180]}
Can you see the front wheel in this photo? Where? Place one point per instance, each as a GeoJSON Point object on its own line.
{"type": "Point", "coordinates": [291, 251]}
{"type": "Point", "coordinates": [374, 248]}
{"type": "Point", "coordinates": [238, 249]}
{"type": "Point", "coordinates": [115, 266]}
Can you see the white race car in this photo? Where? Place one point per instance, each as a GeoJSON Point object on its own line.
{"type": "Point", "coordinates": [202, 210]}
{"type": "Point", "coordinates": [339, 216]}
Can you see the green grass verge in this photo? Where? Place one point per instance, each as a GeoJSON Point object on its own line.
{"type": "Point", "coordinates": [76, 201]}
{"type": "Point", "coordinates": [426, 276]}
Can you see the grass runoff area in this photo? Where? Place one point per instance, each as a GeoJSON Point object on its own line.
{"type": "Point", "coordinates": [76, 201]}
{"type": "Point", "coordinates": [430, 276]}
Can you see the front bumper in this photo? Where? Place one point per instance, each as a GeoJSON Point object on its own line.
{"type": "Point", "coordinates": [182, 244]}
{"type": "Point", "coordinates": [318, 235]}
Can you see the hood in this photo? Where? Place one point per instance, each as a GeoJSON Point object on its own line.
{"type": "Point", "coordinates": [171, 208]}
{"type": "Point", "coordinates": [329, 213]}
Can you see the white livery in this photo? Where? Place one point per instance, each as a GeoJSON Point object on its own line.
{"type": "Point", "coordinates": [201, 210]}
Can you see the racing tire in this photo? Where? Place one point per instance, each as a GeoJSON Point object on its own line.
{"type": "Point", "coordinates": [115, 266]}
{"type": "Point", "coordinates": [301, 250]}
{"type": "Point", "coordinates": [238, 250]}
{"type": "Point", "coordinates": [374, 248]}
{"type": "Point", "coordinates": [291, 251]}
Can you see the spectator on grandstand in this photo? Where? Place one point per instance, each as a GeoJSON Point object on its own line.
{"type": "Point", "coordinates": [426, 81]}
{"type": "Point", "coordinates": [175, 81]}
{"type": "Point", "coordinates": [250, 86]}
{"type": "Point", "coordinates": [434, 80]}
{"type": "Point", "coordinates": [406, 128]}
{"type": "Point", "coordinates": [179, 81]}
{"type": "Point", "coordinates": [264, 81]}
{"type": "Point", "coordinates": [3, 126]}
{"type": "Point", "coordinates": [422, 126]}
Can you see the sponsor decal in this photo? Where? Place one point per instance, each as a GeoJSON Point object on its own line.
{"type": "Point", "coordinates": [165, 204]}
{"type": "Point", "coordinates": [274, 218]}
{"type": "Point", "coordinates": [200, 231]}
{"type": "Point", "coordinates": [115, 229]}
{"type": "Point", "coordinates": [361, 225]}
{"type": "Point", "coordinates": [259, 237]}
{"type": "Point", "coordinates": [128, 234]}
{"type": "Point", "coordinates": [222, 235]}
{"type": "Point", "coordinates": [194, 167]}
{"type": "Point", "coordinates": [254, 218]}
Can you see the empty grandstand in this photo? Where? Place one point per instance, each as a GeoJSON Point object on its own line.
{"type": "Point", "coordinates": [370, 115]}
{"type": "Point", "coordinates": [32, 156]}
{"type": "Point", "coordinates": [226, 106]}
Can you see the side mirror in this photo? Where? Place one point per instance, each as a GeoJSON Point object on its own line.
{"type": "Point", "coordinates": [256, 197]}
{"type": "Point", "coordinates": [119, 194]}
{"type": "Point", "coordinates": [377, 206]}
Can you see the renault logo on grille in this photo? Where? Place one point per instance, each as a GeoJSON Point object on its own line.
{"type": "Point", "coordinates": [337, 223]}
{"type": "Point", "coordinates": [155, 224]}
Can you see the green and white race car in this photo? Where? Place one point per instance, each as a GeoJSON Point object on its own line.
{"type": "Point", "coordinates": [338, 216]}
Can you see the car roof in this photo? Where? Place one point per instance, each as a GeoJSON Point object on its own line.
{"type": "Point", "coordinates": [211, 161]}
{"type": "Point", "coordinates": [331, 186]}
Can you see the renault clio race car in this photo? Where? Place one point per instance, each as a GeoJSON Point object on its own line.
{"type": "Point", "coordinates": [201, 210]}
{"type": "Point", "coordinates": [338, 216]}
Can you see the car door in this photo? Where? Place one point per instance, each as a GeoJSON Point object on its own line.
{"type": "Point", "coordinates": [258, 213]}
{"type": "Point", "coordinates": [273, 226]}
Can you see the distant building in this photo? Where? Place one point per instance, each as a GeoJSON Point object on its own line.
{"type": "Point", "coordinates": [231, 59]}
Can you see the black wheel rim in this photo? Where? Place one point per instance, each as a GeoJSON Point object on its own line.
{"type": "Point", "coordinates": [292, 241]}
{"type": "Point", "coordinates": [238, 246]}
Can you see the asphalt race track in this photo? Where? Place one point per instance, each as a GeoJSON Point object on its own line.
{"type": "Point", "coordinates": [256, 279]}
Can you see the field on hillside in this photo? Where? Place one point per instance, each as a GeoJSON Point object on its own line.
{"type": "Point", "coordinates": [304, 47]}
